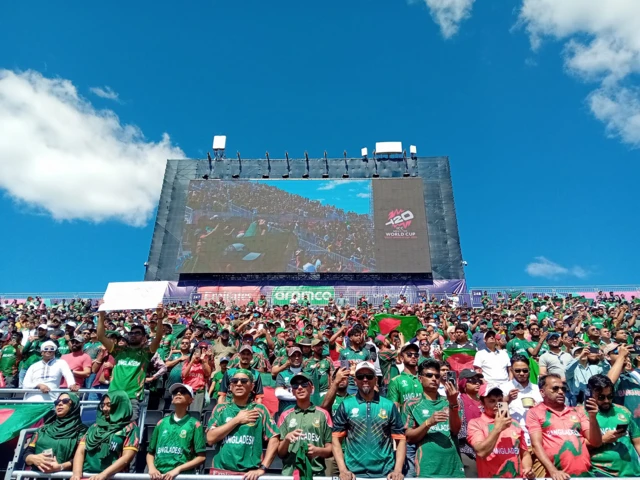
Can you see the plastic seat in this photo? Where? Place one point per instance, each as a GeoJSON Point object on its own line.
{"type": "Point", "coordinates": [153, 417]}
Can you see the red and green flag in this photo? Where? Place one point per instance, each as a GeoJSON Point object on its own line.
{"type": "Point", "coordinates": [383, 324]}
{"type": "Point", "coordinates": [18, 416]}
{"type": "Point", "coordinates": [459, 358]}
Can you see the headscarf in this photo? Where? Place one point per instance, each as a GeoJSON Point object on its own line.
{"type": "Point", "coordinates": [470, 405]}
{"type": "Point", "coordinates": [245, 372]}
{"type": "Point", "coordinates": [62, 434]}
{"type": "Point", "coordinates": [100, 433]}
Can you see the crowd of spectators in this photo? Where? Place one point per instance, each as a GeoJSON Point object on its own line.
{"type": "Point", "coordinates": [522, 387]}
{"type": "Point", "coordinates": [326, 226]}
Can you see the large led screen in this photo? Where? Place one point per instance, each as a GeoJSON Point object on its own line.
{"type": "Point", "coordinates": [312, 226]}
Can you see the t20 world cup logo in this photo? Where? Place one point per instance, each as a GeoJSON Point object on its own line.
{"type": "Point", "coordinates": [400, 218]}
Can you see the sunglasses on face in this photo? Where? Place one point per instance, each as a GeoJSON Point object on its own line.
{"type": "Point", "coordinates": [295, 386]}
{"type": "Point", "coordinates": [521, 370]}
{"type": "Point", "coordinates": [365, 376]}
{"type": "Point", "coordinates": [48, 349]}
{"type": "Point", "coordinates": [138, 333]}
{"type": "Point", "coordinates": [181, 391]}
{"type": "Point", "coordinates": [243, 381]}
{"type": "Point", "coordinates": [601, 398]}
{"type": "Point", "coordinates": [412, 354]}
{"type": "Point", "coordinates": [475, 380]}
{"type": "Point", "coordinates": [559, 388]}
{"type": "Point", "coordinates": [432, 375]}
{"type": "Point", "coordinates": [63, 401]}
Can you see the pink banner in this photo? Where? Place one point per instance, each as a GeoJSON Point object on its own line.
{"type": "Point", "coordinates": [239, 295]}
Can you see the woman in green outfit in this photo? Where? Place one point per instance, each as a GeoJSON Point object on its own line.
{"type": "Point", "coordinates": [111, 443]}
{"type": "Point", "coordinates": [53, 446]}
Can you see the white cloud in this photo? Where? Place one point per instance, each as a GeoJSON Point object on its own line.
{"type": "Point", "coordinates": [448, 14]}
{"type": "Point", "coordinates": [106, 92]}
{"type": "Point", "coordinates": [328, 185]}
{"type": "Point", "coordinates": [602, 44]}
{"type": "Point", "coordinates": [60, 155]}
{"type": "Point", "coordinates": [543, 267]}
{"type": "Point", "coordinates": [363, 195]}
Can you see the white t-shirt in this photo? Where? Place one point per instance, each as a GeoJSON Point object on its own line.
{"type": "Point", "coordinates": [494, 365]}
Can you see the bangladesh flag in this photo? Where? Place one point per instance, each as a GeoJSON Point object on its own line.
{"type": "Point", "coordinates": [18, 416]}
{"type": "Point", "coordinates": [383, 323]}
{"type": "Point", "coordinates": [459, 358]}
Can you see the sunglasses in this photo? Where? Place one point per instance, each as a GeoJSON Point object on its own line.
{"type": "Point", "coordinates": [181, 391]}
{"type": "Point", "coordinates": [605, 397]}
{"type": "Point", "coordinates": [557, 389]}
{"type": "Point", "coordinates": [137, 332]}
{"type": "Point", "coordinates": [243, 381]}
{"type": "Point", "coordinates": [412, 354]}
{"type": "Point", "coordinates": [432, 375]}
{"type": "Point", "coordinates": [63, 401]}
{"type": "Point", "coordinates": [295, 386]}
{"type": "Point", "coordinates": [521, 370]}
{"type": "Point", "coordinates": [48, 349]}
{"type": "Point", "coordinates": [365, 376]}
{"type": "Point", "coordinates": [475, 380]}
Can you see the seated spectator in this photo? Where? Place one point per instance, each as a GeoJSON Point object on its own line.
{"type": "Point", "coordinates": [492, 362]}
{"type": "Point", "coordinates": [46, 375]}
{"type": "Point", "coordinates": [53, 446]}
{"type": "Point", "coordinates": [178, 444]}
{"type": "Point", "coordinates": [78, 361]}
{"type": "Point", "coordinates": [498, 440]}
{"type": "Point", "coordinates": [111, 443]}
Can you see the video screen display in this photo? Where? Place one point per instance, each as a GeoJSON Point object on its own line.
{"type": "Point", "coordinates": [311, 226]}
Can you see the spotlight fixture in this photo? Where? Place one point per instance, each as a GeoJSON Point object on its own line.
{"type": "Point", "coordinates": [286, 175]}
{"type": "Point", "coordinates": [235, 175]}
{"type": "Point", "coordinates": [406, 174]}
{"type": "Point", "coordinates": [305, 175]}
{"type": "Point", "coordinates": [364, 152]}
{"type": "Point", "coordinates": [205, 177]}
{"type": "Point", "coordinates": [345, 175]}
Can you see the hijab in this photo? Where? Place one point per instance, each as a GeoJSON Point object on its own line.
{"type": "Point", "coordinates": [62, 434]}
{"type": "Point", "coordinates": [99, 435]}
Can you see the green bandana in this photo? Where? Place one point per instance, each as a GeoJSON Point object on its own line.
{"type": "Point", "coordinates": [100, 433]}
{"type": "Point", "coordinates": [62, 434]}
{"type": "Point", "coordinates": [245, 372]}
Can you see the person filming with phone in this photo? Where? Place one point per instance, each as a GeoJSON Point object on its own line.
{"type": "Point", "coordinates": [618, 454]}
{"type": "Point", "coordinates": [498, 439]}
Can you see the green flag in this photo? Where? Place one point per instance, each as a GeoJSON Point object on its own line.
{"type": "Point", "coordinates": [384, 323]}
{"type": "Point", "coordinates": [18, 416]}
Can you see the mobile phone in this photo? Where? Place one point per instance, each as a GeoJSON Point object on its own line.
{"type": "Point", "coordinates": [503, 409]}
{"type": "Point", "coordinates": [593, 349]}
{"type": "Point", "coordinates": [197, 351]}
{"type": "Point", "coordinates": [345, 364]}
{"type": "Point", "coordinates": [587, 394]}
{"type": "Point", "coordinates": [48, 452]}
{"type": "Point", "coordinates": [622, 428]}
{"type": "Point", "coordinates": [451, 377]}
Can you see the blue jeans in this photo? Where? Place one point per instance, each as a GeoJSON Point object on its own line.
{"type": "Point", "coordinates": [409, 468]}
{"type": "Point", "coordinates": [21, 375]}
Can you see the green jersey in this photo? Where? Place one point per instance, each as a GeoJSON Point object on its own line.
{"type": "Point", "coordinates": [617, 459]}
{"type": "Point", "coordinates": [627, 394]}
{"type": "Point", "coordinates": [516, 346]}
{"type": "Point", "coordinates": [257, 383]}
{"type": "Point", "coordinates": [241, 449]}
{"type": "Point", "coordinates": [321, 369]}
{"type": "Point", "coordinates": [175, 443]}
{"type": "Point", "coordinates": [336, 403]}
{"type": "Point", "coordinates": [437, 452]}
{"type": "Point", "coordinates": [404, 387]}
{"type": "Point", "coordinates": [8, 360]}
{"type": "Point", "coordinates": [368, 429]}
{"type": "Point", "coordinates": [31, 353]}
{"type": "Point", "coordinates": [358, 356]}
{"type": "Point", "coordinates": [130, 370]}
{"type": "Point", "coordinates": [217, 380]}
{"type": "Point", "coordinates": [387, 359]}
{"type": "Point", "coordinates": [92, 349]}
{"type": "Point", "coordinates": [63, 347]}
{"type": "Point", "coordinates": [283, 380]}
{"type": "Point", "coordinates": [126, 439]}
{"type": "Point", "coordinates": [315, 424]}
{"type": "Point", "coordinates": [165, 346]}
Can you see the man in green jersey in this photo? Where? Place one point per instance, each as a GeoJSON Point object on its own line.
{"type": "Point", "coordinates": [167, 341]}
{"type": "Point", "coordinates": [305, 431]}
{"type": "Point", "coordinates": [238, 428]}
{"type": "Point", "coordinates": [9, 359]}
{"type": "Point", "coordinates": [319, 367]}
{"type": "Point", "coordinates": [618, 454]}
{"type": "Point", "coordinates": [368, 424]}
{"type": "Point", "coordinates": [521, 346]}
{"type": "Point", "coordinates": [177, 444]}
{"type": "Point", "coordinates": [216, 380]}
{"type": "Point", "coordinates": [433, 423]}
{"type": "Point", "coordinates": [625, 379]}
{"type": "Point", "coordinates": [132, 360]}
{"type": "Point", "coordinates": [246, 358]}
{"type": "Point", "coordinates": [31, 351]}
{"type": "Point", "coordinates": [354, 353]}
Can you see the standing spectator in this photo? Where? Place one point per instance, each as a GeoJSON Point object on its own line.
{"type": "Point", "coordinates": [196, 373]}
{"type": "Point", "coordinates": [492, 362]}
{"type": "Point", "coordinates": [354, 353]}
{"type": "Point", "coordinates": [521, 394]}
{"type": "Point", "coordinates": [559, 433]}
{"type": "Point", "coordinates": [132, 360]}
{"type": "Point", "coordinates": [554, 360]}
{"type": "Point", "coordinates": [246, 358]}
{"type": "Point", "coordinates": [46, 375]}
{"type": "Point", "coordinates": [10, 356]}
{"type": "Point", "coordinates": [284, 394]}
{"type": "Point", "coordinates": [587, 363]}
{"type": "Point", "coordinates": [459, 338]}
{"type": "Point", "coordinates": [406, 386]}
{"type": "Point", "coordinates": [111, 443]}
{"type": "Point", "coordinates": [368, 424]}
{"type": "Point", "coordinates": [176, 360]}
{"type": "Point", "coordinates": [319, 367]}
{"type": "Point", "coordinates": [177, 444]}
{"type": "Point", "coordinates": [432, 423]}
{"type": "Point", "coordinates": [239, 427]}
{"type": "Point", "coordinates": [478, 336]}
{"type": "Point", "coordinates": [222, 347]}
{"type": "Point", "coordinates": [305, 431]}
{"type": "Point", "coordinates": [91, 347]}
{"type": "Point", "coordinates": [31, 352]}
{"type": "Point", "coordinates": [78, 361]}
{"type": "Point", "coordinates": [469, 384]}
{"type": "Point", "coordinates": [625, 378]}
{"type": "Point", "coordinates": [618, 454]}
{"type": "Point", "coordinates": [501, 449]}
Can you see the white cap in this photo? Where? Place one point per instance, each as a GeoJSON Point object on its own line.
{"type": "Point", "coordinates": [176, 386]}
{"type": "Point", "coordinates": [366, 366]}
{"type": "Point", "coordinates": [72, 324]}
{"type": "Point", "coordinates": [48, 344]}
{"type": "Point", "coordinates": [43, 326]}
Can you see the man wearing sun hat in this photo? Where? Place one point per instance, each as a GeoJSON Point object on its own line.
{"type": "Point", "coordinates": [47, 374]}
{"type": "Point", "coordinates": [178, 444]}
{"type": "Point", "coordinates": [365, 426]}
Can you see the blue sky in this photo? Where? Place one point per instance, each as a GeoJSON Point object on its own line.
{"type": "Point", "coordinates": [536, 102]}
{"type": "Point", "coordinates": [349, 195]}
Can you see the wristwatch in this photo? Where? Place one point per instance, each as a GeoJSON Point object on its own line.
{"type": "Point", "coordinates": [263, 467]}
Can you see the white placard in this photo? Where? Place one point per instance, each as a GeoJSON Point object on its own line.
{"type": "Point", "coordinates": [133, 295]}
{"type": "Point", "coordinates": [385, 148]}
